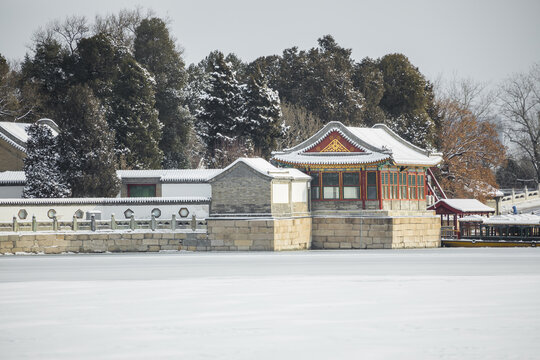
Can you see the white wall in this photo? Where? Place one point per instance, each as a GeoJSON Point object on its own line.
{"type": "Point", "coordinates": [299, 191]}
{"type": "Point", "coordinates": [280, 193]}
{"type": "Point", "coordinates": [168, 190]}
{"type": "Point", "coordinates": [10, 192]}
{"type": "Point", "coordinates": [66, 212]}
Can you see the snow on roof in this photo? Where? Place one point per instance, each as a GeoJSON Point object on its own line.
{"type": "Point", "coordinates": [103, 201]}
{"type": "Point", "coordinates": [176, 175]}
{"type": "Point", "coordinates": [403, 152]}
{"type": "Point", "coordinates": [16, 133]}
{"type": "Point", "coordinates": [472, 218]}
{"type": "Point", "coordinates": [264, 167]}
{"type": "Point", "coordinates": [465, 205]}
{"type": "Point", "coordinates": [12, 178]}
{"type": "Point", "coordinates": [378, 144]}
{"type": "Point", "coordinates": [171, 175]}
{"type": "Point", "coordinates": [518, 219]}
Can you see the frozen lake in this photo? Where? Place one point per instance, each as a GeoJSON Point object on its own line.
{"type": "Point", "coordinates": [393, 304]}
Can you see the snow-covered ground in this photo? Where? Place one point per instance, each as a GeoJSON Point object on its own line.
{"type": "Point", "coordinates": [399, 304]}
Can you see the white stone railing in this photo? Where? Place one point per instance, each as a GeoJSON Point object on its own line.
{"type": "Point", "coordinates": [99, 225]}
{"type": "Point", "coordinates": [520, 196]}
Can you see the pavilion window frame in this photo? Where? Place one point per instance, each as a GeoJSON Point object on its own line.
{"type": "Point", "coordinates": [370, 186]}
{"type": "Point", "coordinates": [358, 185]}
{"type": "Point", "coordinates": [330, 186]}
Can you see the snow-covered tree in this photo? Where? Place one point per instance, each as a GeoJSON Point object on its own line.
{"type": "Point", "coordinates": [220, 119]}
{"type": "Point", "coordinates": [262, 114]}
{"type": "Point", "coordinates": [157, 52]}
{"type": "Point", "coordinates": [87, 158]}
{"type": "Point", "coordinates": [138, 130]}
{"type": "Point", "coordinates": [43, 177]}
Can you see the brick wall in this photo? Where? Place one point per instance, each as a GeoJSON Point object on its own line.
{"type": "Point", "coordinates": [241, 190]}
{"type": "Point", "coordinates": [96, 242]}
{"type": "Point", "coordinates": [384, 232]}
{"type": "Point", "coordinates": [259, 234]}
{"type": "Point", "coordinates": [10, 158]}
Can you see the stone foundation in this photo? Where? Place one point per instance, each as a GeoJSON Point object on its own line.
{"type": "Point", "coordinates": [388, 232]}
{"type": "Point", "coordinates": [96, 242]}
{"type": "Point", "coordinates": [259, 234]}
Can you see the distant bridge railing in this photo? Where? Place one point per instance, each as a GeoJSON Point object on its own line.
{"type": "Point", "coordinates": [517, 196]}
{"type": "Point", "coordinates": [103, 225]}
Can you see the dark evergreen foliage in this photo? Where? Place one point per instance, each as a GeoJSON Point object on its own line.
{"type": "Point", "coordinates": [156, 51]}
{"type": "Point", "coordinates": [135, 119]}
{"type": "Point", "coordinates": [87, 158]}
{"type": "Point", "coordinates": [41, 165]}
{"type": "Point", "coordinates": [262, 115]}
{"type": "Point", "coordinates": [220, 119]}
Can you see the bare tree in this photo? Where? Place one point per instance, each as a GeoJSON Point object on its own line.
{"type": "Point", "coordinates": [121, 28]}
{"type": "Point", "coordinates": [71, 30]}
{"type": "Point", "coordinates": [67, 32]}
{"type": "Point", "coordinates": [474, 96]}
{"type": "Point", "coordinates": [299, 124]}
{"type": "Point", "coordinates": [520, 106]}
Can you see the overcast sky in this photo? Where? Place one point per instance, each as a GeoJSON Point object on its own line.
{"type": "Point", "coordinates": [481, 39]}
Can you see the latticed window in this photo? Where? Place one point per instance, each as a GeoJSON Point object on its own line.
{"type": "Point", "coordinates": [384, 184]}
{"type": "Point", "coordinates": [330, 182]}
{"type": "Point", "coordinates": [393, 185]}
{"type": "Point", "coordinates": [371, 185]}
{"type": "Point", "coordinates": [421, 187]}
{"type": "Point", "coordinates": [315, 186]}
{"type": "Point", "coordinates": [403, 185]}
{"type": "Point", "coordinates": [412, 186]}
{"type": "Point", "coordinates": [351, 185]}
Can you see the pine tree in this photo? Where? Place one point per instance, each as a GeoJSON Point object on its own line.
{"type": "Point", "coordinates": [43, 177]}
{"type": "Point", "coordinates": [135, 119]}
{"type": "Point", "coordinates": [220, 120]}
{"type": "Point", "coordinates": [262, 114]}
{"type": "Point", "coordinates": [156, 51]}
{"type": "Point", "coordinates": [87, 158]}
{"type": "Point", "coordinates": [406, 100]}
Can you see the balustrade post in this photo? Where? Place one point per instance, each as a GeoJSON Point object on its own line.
{"type": "Point", "coordinates": [113, 222]}
{"type": "Point", "coordinates": [34, 223]}
{"type": "Point", "coordinates": [153, 223]}
{"type": "Point", "coordinates": [15, 226]}
{"type": "Point", "coordinates": [55, 224]}
{"type": "Point", "coordinates": [74, 224]}
{"type": "Point", "coordinates": [132, 222]}
{"type": "Point", "coordinates": [173, 222]}
{"type": "Point", "coordinates": [193, 223]}
{"type": "Point", "coordinates": [93, 222]}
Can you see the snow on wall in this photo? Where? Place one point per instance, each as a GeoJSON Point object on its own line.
{"type": "Point", "coordinates": [11, 192]}
{"type": "Point", "coordinates": [186, 190]}
{"type": "Point", "coordinates": [65, 212]}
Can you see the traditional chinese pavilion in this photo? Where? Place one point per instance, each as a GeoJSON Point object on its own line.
{"type": "Point", "coordinates": [356, 168]}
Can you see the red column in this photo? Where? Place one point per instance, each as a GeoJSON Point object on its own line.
{"type": "Point", "coordinates": [379, 190]}
{"type": "Point", "coordinates": [363, 188]}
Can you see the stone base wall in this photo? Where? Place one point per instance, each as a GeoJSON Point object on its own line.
{"type": "Point", "coordinates": [96, 242]}
{"type": "Point", "coordinates": [259, 234]}
{"type": "Point", "coordinates": [375, 233]}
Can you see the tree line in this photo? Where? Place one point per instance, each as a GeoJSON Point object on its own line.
{"type": "Point", "coordinates": [124, 99]}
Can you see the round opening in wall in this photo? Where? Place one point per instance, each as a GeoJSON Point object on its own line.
{"type": "Point", "coordinates": [79, 214]}
{"type": "Point", "coordinates": [22, 214]}
{"type": "Point", "coordinates": [184, 212]}
{"type": "Point", "coordinates": [156, 212]}
{"type": "Point", "coordinates": [51, 213]}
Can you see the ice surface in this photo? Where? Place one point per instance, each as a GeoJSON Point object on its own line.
{"type": "Point", "coordinates": [403, 304]}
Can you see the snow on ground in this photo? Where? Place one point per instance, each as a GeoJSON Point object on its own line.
{"type": "Point", "coordinates": [400, 304]}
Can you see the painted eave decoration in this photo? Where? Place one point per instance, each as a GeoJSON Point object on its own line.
{"type": "Point", "coordinates": [337, 144]}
